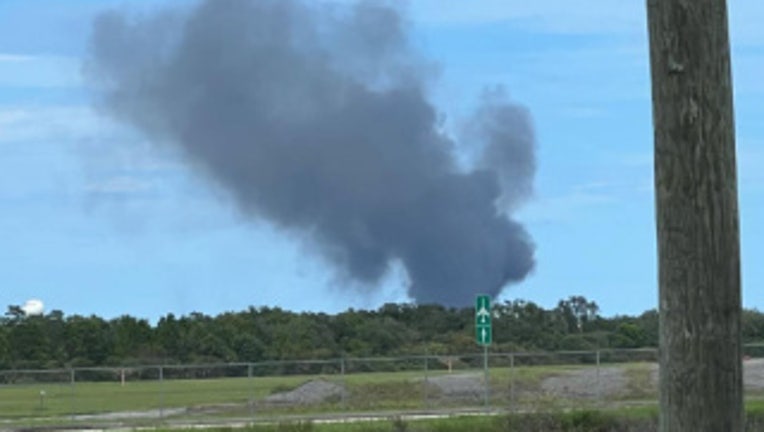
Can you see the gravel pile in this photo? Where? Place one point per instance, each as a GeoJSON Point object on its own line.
{"type": "Point", "coordinates": [585, 383]}
{"type": "Point", "coordinates": [753, 374]}
{"type": "Point", "coordinates": [310, 393]}
{"type": "Point", "coordinates": [459, 386]}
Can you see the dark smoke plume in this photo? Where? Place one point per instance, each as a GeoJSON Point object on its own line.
{"type": "Point", "coordinates": [316, 118]}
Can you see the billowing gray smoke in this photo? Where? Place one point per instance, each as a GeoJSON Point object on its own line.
{"type": "Point", "coordinates": [316, 119]}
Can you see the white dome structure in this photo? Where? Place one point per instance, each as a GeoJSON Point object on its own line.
{"type": "Point", "coordinates": [33, 307]}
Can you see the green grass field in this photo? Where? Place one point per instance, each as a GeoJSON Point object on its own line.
{"type": "Point", "coordinates": [605, 420]}
{"type": "Point", "coordinates": [244, 398]}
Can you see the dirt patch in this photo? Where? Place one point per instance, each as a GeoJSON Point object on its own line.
{"type": "Point", "coordinates": [311, 393]}
{"type": "Point", "coordinates": [753, 374]}
{"type": "Point", "coordinates": [459, 386]}
{"type": "Point", "coordinates": [587, 383]}
{"type": "Point", "coordinates": [130, 415]}
{"type": "Point", "coordinates": [613, 381]}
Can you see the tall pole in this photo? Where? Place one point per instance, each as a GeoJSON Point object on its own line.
{"type": "Point", "coordinates": [697, 217]}
{"type": "Point", "coordinates": [485, 377]}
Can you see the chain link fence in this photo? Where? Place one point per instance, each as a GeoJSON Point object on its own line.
{"type": "Point", "coordinates": [247, 392]}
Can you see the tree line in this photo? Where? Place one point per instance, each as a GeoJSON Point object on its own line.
{"type": "Point", "coordinates": [56, 340]}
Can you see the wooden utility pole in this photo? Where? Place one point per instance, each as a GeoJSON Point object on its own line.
{"type": "Point", "coordinates": [697, 217]}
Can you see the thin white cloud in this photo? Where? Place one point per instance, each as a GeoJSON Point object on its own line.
{"type": "Point", "coordinates": [121, 185]}
{"type": "Point", "coordinates": [564, 207]}
{"type": "Point", "coordinates": [621, 17]}
{"type": "Point", "coordinates": [10, 118]}
{"type": "Point", "coordinates": [635, 159]}
{"type": "Point", "coordinates": [584, 112]}
{"type": "Point", "coordinates": [578, 77]}
{"type": "Point", "coordinates": [36, 123]}
{"type": "Point", "coordinates": [47, 71]}
{"type": "Point", "coordinates": [749, 155]}
{"type": "Point", "coordinates": [14, 58]}
{"type": "Point", "coordinates": [563, 16]}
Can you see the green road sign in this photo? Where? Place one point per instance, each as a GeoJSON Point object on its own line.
{"type": "Point", "coordinates": [484, 335]}
{"type": "Point", "coordinates": [483, 331]}
{"type": "Point", "coordinates": [483, 310]}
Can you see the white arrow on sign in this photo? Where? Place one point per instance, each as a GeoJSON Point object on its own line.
{"type": "Point", "coordinates": [483, 334]}
{"type": "Point", "coordinates": [483, 314]}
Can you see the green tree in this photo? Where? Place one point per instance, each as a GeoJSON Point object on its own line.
{"type": "Point", "coordinates": [29, 341]}
{"type": "Point", "coordinates": [88, 340]}
{"type": "Point", "coordinates": [5, 348]}
{"type": "Point", "coordinates": [133, 340]}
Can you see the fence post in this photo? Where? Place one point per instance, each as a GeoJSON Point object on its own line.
{"type": "Point", "coordinates": [251, 378]}
{"type": "Point", "coordinates": [71, 396]}
{"type": "Point", "coordinates": [161, 392]}
{"type": "Point", "coordinates": [344, 383]}
{"type": "Point", "coordinates": [425, 394]}
{"type": "Point", "coordinates": [599, 387]}
{"type": "Point", "coordinates": [512, 381]}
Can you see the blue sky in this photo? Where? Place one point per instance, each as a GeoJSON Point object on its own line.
{"type": "Point", "coordinates": [96, 219]}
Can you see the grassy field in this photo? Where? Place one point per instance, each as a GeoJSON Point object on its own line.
{"type": "Point", "coordinates": [384, 390]}
{"type": "Point", "coordinates": [243, 398]}
{"type": "Point", "coordinates": [608, 420]}
{"type": "Point", "coordinates": [520, 389]}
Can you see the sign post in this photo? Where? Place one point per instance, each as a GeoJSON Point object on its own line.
{"type": "Point", "coordinates": [484, 333]}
